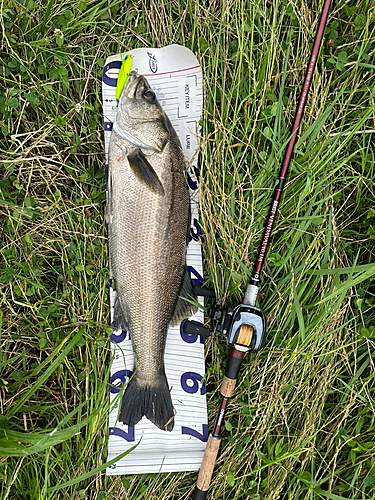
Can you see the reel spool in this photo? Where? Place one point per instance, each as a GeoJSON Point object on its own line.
{"type": "Point", "coordinates": [243, 326]}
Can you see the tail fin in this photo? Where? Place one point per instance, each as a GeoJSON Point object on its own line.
{"type": "Point", "coordinates": [154, 402]}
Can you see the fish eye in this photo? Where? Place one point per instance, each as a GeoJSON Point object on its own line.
{"type": "Point", "coordinates": [149, 95]}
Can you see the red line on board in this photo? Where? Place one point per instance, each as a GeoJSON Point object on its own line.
{"type": "Point", "coordinates": [158, 74]}
{"type": "Point", "coordinates": [169, 72]}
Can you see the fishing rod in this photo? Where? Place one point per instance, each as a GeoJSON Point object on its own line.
{"type": "Point", "coordinates": [245, 325]}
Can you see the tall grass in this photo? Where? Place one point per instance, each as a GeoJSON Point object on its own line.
{"type": "Point", "coordinates": [301, 424]}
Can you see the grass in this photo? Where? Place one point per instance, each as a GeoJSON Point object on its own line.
{"type": "Point", "coordinates": [301, 424]}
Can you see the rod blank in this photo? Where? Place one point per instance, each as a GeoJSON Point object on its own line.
{"type": "Point", "coordinates": [289, 151]}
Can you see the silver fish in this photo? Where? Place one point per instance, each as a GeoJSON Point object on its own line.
{"type": "Point", "coordinates": [148, 223]}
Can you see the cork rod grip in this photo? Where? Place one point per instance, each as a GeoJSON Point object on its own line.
{"type": "Point", "coordinates": [208, 463]}
{"type": "Point", "coordinates": [227, 387]}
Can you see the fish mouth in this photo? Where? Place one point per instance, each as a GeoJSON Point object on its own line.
{"type": "Point", "coordinates": [132, 85]}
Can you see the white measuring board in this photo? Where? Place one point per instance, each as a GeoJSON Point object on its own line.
{"type": "Point", "coordinates": [175, 76]}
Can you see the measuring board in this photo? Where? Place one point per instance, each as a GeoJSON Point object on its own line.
{"type": "Point", "coordinates": [176, 78]}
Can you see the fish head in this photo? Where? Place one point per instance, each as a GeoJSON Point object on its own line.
{"type": "Point", "coordinates": [140, 117]}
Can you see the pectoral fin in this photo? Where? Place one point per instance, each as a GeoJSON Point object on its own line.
{"type": "Point", "coordinates": [144, 172]}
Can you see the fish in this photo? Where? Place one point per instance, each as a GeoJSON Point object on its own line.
{"type": "Point", "coordinates": [148, 216]}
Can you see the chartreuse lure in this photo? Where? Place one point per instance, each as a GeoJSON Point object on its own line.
{"type": "Point", "coordinates": [126, 66]}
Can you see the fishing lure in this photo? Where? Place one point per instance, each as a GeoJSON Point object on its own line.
{"type": "Point", "coordinates": [125, 69]}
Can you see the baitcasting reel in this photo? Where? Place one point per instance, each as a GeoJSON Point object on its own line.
{"type": "Point", "coordinates": [241, 324]}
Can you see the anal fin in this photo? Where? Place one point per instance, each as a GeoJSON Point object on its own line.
{"type": "Point", "coordinates": [119, 320]}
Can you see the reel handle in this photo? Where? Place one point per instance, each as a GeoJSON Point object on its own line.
{"type": "Point", "coordinates": [204, 291]}
{"type": "Point", "coordinates": [191, 328]}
